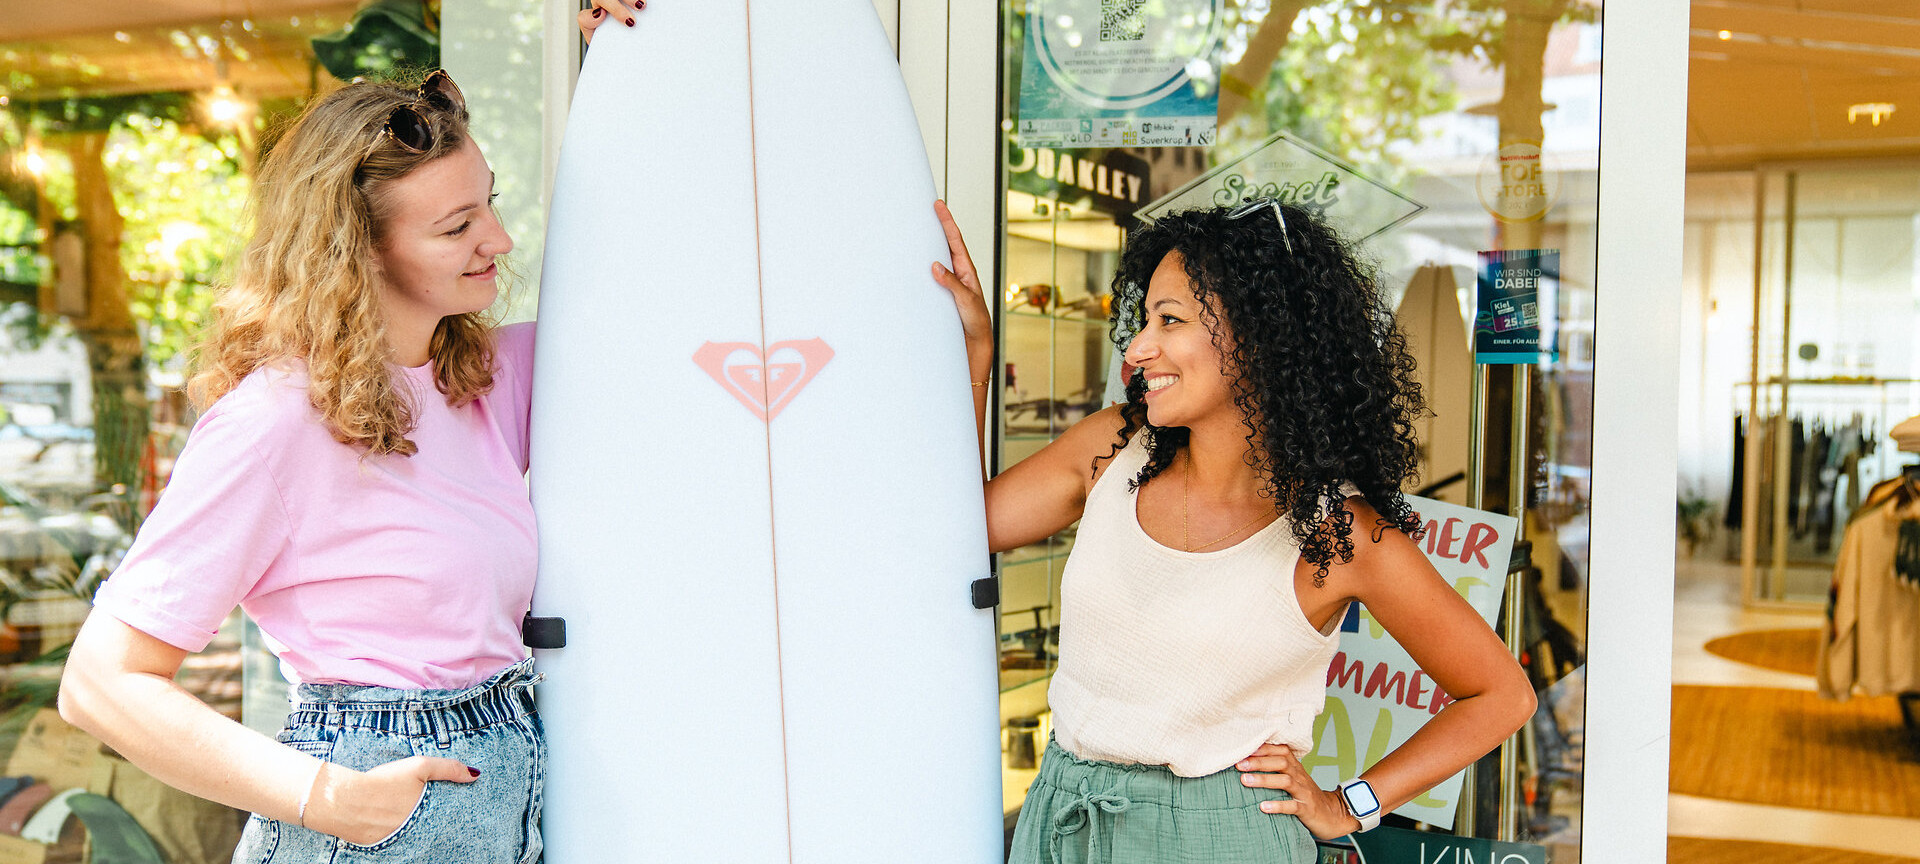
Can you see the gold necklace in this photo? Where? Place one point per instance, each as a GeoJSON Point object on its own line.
{"type": "Point", "coordinates": [1186, 500]}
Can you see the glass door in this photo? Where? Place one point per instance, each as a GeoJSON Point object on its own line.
{"type": "Point", "coordinates": [1433, 135]}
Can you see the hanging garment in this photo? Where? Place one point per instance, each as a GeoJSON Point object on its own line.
{"type": "Point", "coordinates": [1871, 640]}
{"type": "Point", "coordinates": [1853, 445]}
{"type": "Point", "coordinates": [1796, 469]}
{"type": "Point", "coordinates": [1826, 480]}
{"type": "Point", "coordinates": [1737, 494]}
{"type": "Point", "coordinates": [1813, 459]}
{"type": "Point", "coordinates": [1906, 555]}
{"type": "Point", "coordinates": [1765, 478]}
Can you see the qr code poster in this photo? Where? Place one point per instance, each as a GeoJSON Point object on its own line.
{"type": "Point", "coordinates": [1119, 73]}
{"type": "Point", "coordinates": [1123, 20]}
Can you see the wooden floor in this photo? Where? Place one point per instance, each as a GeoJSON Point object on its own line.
{"type": "Point", "coordinates": [1689, 850]}
{"type": "Point", "coordinates": [1794, 650]}
{"type": "Point", "coordinates": [1790, 748]}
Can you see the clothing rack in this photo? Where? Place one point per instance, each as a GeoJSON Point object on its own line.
{"type": "Point", "coordinates": [1778, 402]}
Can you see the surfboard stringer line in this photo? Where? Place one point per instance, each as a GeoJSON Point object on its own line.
{"type": "Point", "coordinates": [773, 517]}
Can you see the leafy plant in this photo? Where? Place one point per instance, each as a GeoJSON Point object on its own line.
{"type": "Point", "coordinates": [1695, 519]}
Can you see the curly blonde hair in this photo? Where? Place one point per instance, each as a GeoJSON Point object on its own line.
{"type": "Point", "coordinates": [307, 285]}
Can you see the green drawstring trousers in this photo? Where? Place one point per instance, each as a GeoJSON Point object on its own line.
{"type": "Point", "coordinates": [1084, 811]}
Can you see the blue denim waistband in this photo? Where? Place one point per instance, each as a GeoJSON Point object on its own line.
{"type": "Point", "coordinates": [504, 697]}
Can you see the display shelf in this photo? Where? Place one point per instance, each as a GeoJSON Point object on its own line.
{"type": "Point", "coordinates": [1042, 316]}
{"type": "Point", "coordinates": [1027, 555]}
{"type": "Point", "coordinates": [1054, 362]}
{"type": "Point", "coordinates": [1014, 680]}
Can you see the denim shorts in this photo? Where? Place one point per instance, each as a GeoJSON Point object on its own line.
{"type": "Point", "coordinates": [491, 726]}
{"type": "Point", "coordinates": [1086, 811]}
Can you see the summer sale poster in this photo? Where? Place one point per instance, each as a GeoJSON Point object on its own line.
{"type": "Point", "coordinates": [1377, 697]}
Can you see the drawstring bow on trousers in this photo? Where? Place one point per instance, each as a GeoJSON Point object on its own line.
{"type": "Point", "coordinates": [1084, 812]}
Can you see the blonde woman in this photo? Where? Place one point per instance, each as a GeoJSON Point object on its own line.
{"type": "Point", "coordinates": [355, 483]}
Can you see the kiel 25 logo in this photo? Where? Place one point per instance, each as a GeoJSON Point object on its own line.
{"type": "Point", "coordinates": [765, 384]}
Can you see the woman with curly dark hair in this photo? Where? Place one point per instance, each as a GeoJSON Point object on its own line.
{"type": "Point", "coordinates": [1245, 495]}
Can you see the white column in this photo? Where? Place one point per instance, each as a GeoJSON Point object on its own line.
{"type": "Point", "coordinates": [950, 56]}
{"type": "Point", "coordinates": [559, 69]}
{"type": "Point", "coordinates": [1637, 294]}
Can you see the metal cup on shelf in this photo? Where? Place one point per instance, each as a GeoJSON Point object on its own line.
{"type": "Point", "coordinates": [1020, 739]}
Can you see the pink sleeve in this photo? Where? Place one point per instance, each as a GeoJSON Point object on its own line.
{"type": "Point", "coordinates": [511, 399]}
{"type": "Point", "coordinates": [217, 530]}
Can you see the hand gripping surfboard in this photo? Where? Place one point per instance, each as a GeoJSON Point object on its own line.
{"type": "Point", "coordinates": [754, 460]}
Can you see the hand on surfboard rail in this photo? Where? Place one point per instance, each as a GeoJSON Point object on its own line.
{"type": "Point", "coordinates": [963, 282]}
{"type": "Point", "coordinates": [590, 19]}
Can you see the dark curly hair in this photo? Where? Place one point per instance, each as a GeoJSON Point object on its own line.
{"type": "Point", "coordinates": [1323, 378]}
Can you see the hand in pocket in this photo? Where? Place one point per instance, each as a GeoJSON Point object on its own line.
{"type": "Point", "coordinates": [366, 808]}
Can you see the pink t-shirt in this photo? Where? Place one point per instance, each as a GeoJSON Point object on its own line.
{"type": "Point", "coordinates": [398, 571]}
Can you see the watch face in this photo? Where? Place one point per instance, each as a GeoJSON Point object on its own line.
{"type": "Point", "coordinates": [1360, 800]}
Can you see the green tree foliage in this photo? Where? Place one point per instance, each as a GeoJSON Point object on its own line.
{"type": "Point", "coordinates": [181, 192]}
{"type": "Point", "coordinates": [1358, 77]}
{"type": "Point", "coordinates": [182, 195]}
{"type": "Point", "coordinates": [1354, 78]}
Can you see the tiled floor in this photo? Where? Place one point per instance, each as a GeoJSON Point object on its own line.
{"type": "Point", "coordinates": [1707, 606]}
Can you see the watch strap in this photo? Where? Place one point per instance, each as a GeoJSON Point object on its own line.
{"type": "Point", "coordinates": [1368, 820]}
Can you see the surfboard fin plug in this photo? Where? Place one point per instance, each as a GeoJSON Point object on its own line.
{"type": "Point", "coordinates": [986, 592]}
{"type": "Point", "coordinates": [543, 632]}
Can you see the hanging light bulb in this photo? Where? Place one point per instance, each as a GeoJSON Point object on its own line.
{"type": "Point", "coordinates": [224, 107]}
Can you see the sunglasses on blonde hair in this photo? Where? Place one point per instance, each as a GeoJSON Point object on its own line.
{"type": "Point", "coordinates": [409, 128]}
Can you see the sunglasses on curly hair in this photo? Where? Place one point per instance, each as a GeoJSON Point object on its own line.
{"type": "Point", "coordinates": [1255, 205]}
{"type": "Point", "coordinates": [409, 128]}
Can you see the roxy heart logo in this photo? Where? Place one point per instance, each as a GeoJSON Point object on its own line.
{"type": "Point", "coordinates": [765, 384]}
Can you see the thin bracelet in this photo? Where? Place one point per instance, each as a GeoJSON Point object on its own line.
{"type": "Point", "coordinates": [984, 383]}
{"type": "Point", "coordinates": [304, 796]}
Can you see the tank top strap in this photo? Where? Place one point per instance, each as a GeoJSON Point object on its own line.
{"type": "Point", "coordinates": [1118, 477]}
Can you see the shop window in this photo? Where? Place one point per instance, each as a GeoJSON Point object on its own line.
{"type": "Point", "coordinates": [128, 142]}
{"type": "Point", "coordinates": [1449, 131]}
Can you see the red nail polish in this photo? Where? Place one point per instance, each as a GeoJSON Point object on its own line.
{"type": "Point", "coordinates": [599, 12]}
{"type": "Point", "coordinates": [474, 771]}
{"type": "Point", "coordinates": [629, 22]}
{"type": "Point", "coordinates": [642, 4]}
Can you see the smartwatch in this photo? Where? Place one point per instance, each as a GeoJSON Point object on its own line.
{"type": "Point", "coordinates": [1362, 803]}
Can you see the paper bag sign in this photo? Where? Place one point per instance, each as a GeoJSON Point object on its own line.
{"type": "Point", "coordinates": [55, 753]}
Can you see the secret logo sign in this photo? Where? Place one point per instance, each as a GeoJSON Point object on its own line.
{"type": "Point", "coordinates": [1292, 171]}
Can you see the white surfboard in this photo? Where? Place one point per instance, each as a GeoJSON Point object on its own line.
{"type": "Point", "coordinates": [754, 460]}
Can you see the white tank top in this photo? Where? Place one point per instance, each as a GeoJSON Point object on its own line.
{"type": "Point", "coordinates": [1190, 660]}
